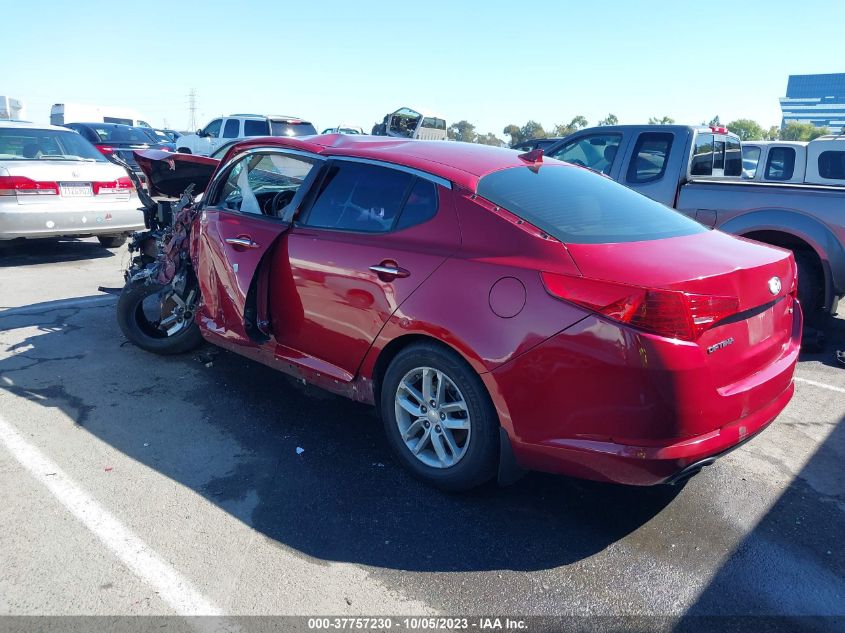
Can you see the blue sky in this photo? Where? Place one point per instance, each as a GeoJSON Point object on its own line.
{"type": "Point", "coordinates": [490, 62]}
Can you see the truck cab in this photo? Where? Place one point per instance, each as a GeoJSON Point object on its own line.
{"type": "Point", "coordinates": [654, 159]}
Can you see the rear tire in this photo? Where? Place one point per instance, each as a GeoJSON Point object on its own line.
{"type": "Point", "coordinates": [472, 429]}
{"type": "Point", "coordinates": [136, 327]}
{"type": "Point", "coordinates": [112, 241]}
{"type": "Point", "coordinates": [810, 284]}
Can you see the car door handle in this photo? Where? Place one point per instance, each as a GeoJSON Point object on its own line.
{"type": "Point", "coordinates": [242, 242]}
{"type": "Point", "coordinates": [389, 271]}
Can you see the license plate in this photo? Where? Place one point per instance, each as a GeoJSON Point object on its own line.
{"type": "Point", "coordinates": [75, 189]}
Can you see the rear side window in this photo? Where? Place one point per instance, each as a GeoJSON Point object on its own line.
{"type": "Point", "coordinates": [750, 158]}
{"type": "Point", "coordinates": [780, 165]}
{"type": "Point", "coordinates": [359, 197]}
{"type": "Point", "coordinates": [702, 158]}
{"type": "Point", "coordinates": [832, 165]}
{"type": "Point", "coordinates": [733, 157]}
{"type": "Point", "coordinates": [579, 207]}
{"type": "Point", "coordinates": [420, 206]}
{"type": "Point", "coordinates": [256, 128]}
{"type": "Point", "coordinates": [231, 129]}
{"type": "Point", "coordinates": [648, 161]}
{"type": "Point", "coordinates": [288, 128]}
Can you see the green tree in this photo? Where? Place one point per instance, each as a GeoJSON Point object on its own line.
{"type": "Point", "coordinates": [462, 131]}
{"type": "Point", "coordinates": [715, 121]}
{"type": "Point", "coordinates": [489, 139]}
{"type": "Point", "coordinates": [665, 120]}
{"type": "Point", "coordinates": [772, 134]}
{"type": "Point", "coordinates": [514, 132]}
{"type": "Point", "coordinates": [610, 119]}
{"type": "Point", "coordinates": [746, 129]}
{"type": "Point", "coordinates": [532, 129]}
{"type": "Point", "coordinates": [565, 129]}
{"type": "Point", "coordinates": [794, 131]}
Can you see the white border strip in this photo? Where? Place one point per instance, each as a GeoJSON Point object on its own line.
{"type": "Point", "coordinates": [820, 384]}
{"type": "Point", "coordinates": [171, 586]}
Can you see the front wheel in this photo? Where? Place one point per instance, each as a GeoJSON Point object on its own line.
{"type": "Point", "coordinates": [112, 241]}
{"type": "Point", "coordinates": [157, 320]}
{"type": "Point", "coordinates": [438, 418]}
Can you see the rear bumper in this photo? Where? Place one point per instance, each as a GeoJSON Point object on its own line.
{"type": "Point", "coordinates": [55, 219]}
{"type": "Point", "coordinates": [599, 402]}
{"type": "Point", "coordinates": [647, 465]}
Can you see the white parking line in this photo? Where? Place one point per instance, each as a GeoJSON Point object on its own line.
{"type": "Point", "coordinates": [171, 586]}
{"type": "Point", "coordinates": [820, 384]}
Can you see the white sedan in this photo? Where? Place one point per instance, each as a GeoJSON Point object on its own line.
{"type": "Point", "coordinates": [54, 183]}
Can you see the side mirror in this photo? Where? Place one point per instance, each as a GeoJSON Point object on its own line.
{"type": "Point", "coordinates": [201, 133]}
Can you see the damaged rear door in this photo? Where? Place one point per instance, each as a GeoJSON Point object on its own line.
{"type": "Point", "coordinates": [240, 224]}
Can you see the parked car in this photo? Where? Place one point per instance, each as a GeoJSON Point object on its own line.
{"type": "Point", "coordinates": [820, 161]}
{"type": "Point", "coordinates": [163, 137]}
{"type": "Point", "coordinates": [499, 312]}
{"type": "Point", "coordinates": [698, 170]}
{"type": "Point", "coordinates": [535, 143]}
{"type": "Point", "coordinates": [54, 183]}
{"type": "Point", "coordinates": [343, 129]}
{"type": "Point", "coordinates": [113, 139]}
{"type": "Point", "coordinates": [408, 123]}
{"type": "Point", "coordinates": [236, 126]}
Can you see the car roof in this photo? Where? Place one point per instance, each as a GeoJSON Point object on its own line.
{"type": "Point", "coordinates": [103, 124]}
{"type": "Point", "coordinates": [461, 163]}
{"type": "Point", "coordinates": [32, 126]}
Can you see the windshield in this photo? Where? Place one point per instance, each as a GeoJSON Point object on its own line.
{"type": "Point", "coordinates": [32, 144]}
{"type": "Point", "coordinates": [580, 207]}
{"type": "Point", "coordinates": [289, 128]}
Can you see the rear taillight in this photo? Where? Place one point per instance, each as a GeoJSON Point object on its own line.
{"type": "Point", "coordinates": [18, 185]}
{"type": "Point", "coordinates": [121, 185]}
{"type": "Point", "coordinates": [105, 150]}
{"type": "Point", "coordinates": [669, 313]}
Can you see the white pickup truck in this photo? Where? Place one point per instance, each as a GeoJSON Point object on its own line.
{"type": "Point", "coordinates": [818, 162]}
{"type": "Point", "coordinates": [235, 126]}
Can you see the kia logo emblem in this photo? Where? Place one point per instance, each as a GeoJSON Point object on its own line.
{"type": "Point", "coordinates": [774, 285]}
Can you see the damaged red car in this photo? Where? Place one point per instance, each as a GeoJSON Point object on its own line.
{"type": "Point", "coordinates": [501, 310]}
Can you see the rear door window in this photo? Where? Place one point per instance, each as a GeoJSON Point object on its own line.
{"type": "Point", "coordinates": [832, 165]}
{"type": "Point", "coordinates": [780, 164]}
{"type": "Point", "coordinates": [578, 207]}
{"type": "Point", "coordinates": [750, 158]}
{"type": "Point", "coordinates": [359, 197]}
{"type": "Point", "coordinates": [597, 151]}
{"type": "Point", "coordinates": [733, 157]}
{"type": "Point", "coordinates": [232, 128]}
{"type": "Point", "coordinates": [702, 158]}
{"type": "Point", "coordinates": [648, 161]}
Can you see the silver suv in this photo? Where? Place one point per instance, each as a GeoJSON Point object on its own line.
{"type": "Point", "coordinates": [235, 126]}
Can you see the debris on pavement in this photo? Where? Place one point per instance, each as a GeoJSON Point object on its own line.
{"type": "Point", "coordinates": [108, 469]}
{"type": "Point", "coordinates": [299, 450]}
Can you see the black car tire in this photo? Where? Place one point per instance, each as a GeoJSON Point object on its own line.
{"type": "Point", "coordinates": [137, 329]}
{"type": "Point", "coordinates": [810, 289]}
{"type": "Point", "coordinates": [478, 464]}
{"type": "Point", "coordinates": [112, 241]}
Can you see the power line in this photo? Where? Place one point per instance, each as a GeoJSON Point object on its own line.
{"type": "Point", "coordinates": [192, 109]}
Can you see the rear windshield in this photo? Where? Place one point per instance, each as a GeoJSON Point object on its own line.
{"type": "Point", "coordinates": [286, 128]}
{"type": "Point", "coordinates": [580, 207]}
{"type": "Point", "coordinates": [121, 134]}
{"type": "Point", "coordinates": [31, 144]}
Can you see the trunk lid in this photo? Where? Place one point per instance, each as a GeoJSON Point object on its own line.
{"type": "Point", "coordinates": [711, 264]}
{"type": "Point", "coordinates": [169, 174]}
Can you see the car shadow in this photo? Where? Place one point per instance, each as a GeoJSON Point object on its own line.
{"type": "Point", "coordinates": [49, 251]}
{"type": "Point", "coordinates": [306, 469]}
{"type": "Point", "coordinates": [832, 332]}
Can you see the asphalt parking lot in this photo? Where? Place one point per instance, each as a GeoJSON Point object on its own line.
{"type": "Point", "coordinates": [134, 484]}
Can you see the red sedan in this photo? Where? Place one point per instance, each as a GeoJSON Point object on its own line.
{"type": "Point", "coordinates": [501, 310]}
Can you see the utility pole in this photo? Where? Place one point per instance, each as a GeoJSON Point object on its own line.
{"type": "Point", "coordinates": [192, 110]}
